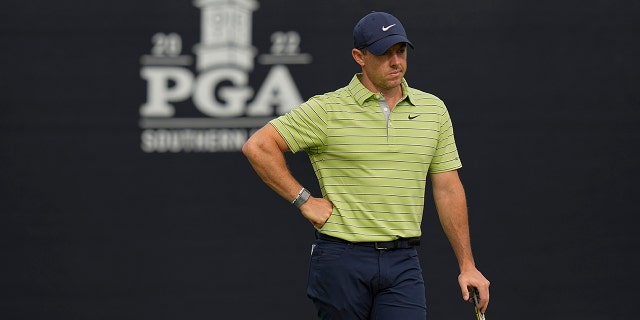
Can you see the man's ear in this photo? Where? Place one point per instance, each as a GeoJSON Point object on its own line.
{"type": "Point", "coordinates": [358, 56]}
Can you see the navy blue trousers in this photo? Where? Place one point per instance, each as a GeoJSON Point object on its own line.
{"type": "Point", "coordinates": [351, 282]}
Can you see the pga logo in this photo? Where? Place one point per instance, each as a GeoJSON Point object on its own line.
{"type": "Point", "coordinates": [167, 84]}
{"type": "Point", "coordinates": [218, 84]}
{"type": "Point", "coordinates": [225, 54]}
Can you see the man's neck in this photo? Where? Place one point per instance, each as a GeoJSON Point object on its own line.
{"type": "Point", "coordinates": [391, 95]}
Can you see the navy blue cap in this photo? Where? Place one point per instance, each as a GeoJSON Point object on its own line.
{"type": "Point", "coordinates": [377, 32]}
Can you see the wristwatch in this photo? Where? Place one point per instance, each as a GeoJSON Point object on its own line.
{"type": "Point", "coordinates": [302, 197]}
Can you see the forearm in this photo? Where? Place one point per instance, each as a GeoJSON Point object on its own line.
{"type": "Point", "coordinates": [267, 158]}
{"type": "Point", "coordinates": [265, 151]}
{"type": "Point", "coordinates": [451, 205]}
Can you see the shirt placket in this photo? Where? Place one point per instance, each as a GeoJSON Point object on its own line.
{"type": "Point", "coordinates": [386, 111]}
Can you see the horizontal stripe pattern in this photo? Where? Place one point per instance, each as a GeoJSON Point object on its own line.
{"type": "Point", "coordinates": [373, 170]}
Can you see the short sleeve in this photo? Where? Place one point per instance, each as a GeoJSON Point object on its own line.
{"type": "Point", "coordinates": [304, 127]}
{"type": "Point", "coordinates": [446, 156]}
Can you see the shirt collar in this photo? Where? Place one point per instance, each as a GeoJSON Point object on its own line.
{"type": "Point", "coordinates": [362, 94]}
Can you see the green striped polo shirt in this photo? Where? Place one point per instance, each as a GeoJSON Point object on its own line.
{"type": "Point", "coordinates": [373, 168]}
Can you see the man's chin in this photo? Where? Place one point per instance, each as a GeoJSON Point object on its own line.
{"type": "Point", "coordinates": [394, 82]}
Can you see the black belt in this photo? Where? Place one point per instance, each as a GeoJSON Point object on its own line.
{"type": "Point", "coordinates": [402, 243]}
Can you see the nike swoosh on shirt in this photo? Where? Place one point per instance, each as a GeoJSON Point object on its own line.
{"type": "Point", "coordinates": [387, 28]}
{"type": "Point", "coordinates": [413, 117]}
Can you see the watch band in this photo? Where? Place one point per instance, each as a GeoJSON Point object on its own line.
{"type": "Point", "coordinates": [302, 197]}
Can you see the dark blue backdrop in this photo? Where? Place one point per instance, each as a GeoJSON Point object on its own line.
{"type": "Point", "coordinates": [544, 98]}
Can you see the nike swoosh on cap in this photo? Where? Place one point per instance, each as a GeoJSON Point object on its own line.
{"type": "Point", "coordinates": [387, 28]}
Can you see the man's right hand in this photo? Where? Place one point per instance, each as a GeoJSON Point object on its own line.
{"type": "Point", "coordinates": [317, 211]}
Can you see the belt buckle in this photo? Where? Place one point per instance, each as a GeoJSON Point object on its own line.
{"type": "Point", "coordinates": [375, 245]}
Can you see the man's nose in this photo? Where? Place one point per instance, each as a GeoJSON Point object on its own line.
{"type": "Point", "coordinates": [394, 58]}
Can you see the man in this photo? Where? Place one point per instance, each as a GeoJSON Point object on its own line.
{"type": "Point", "coordinates": [372, 145]}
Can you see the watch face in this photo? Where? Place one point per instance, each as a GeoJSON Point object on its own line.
{"type": "Point", "coordinates": [302, 197]}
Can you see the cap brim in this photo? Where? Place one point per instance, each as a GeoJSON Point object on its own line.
{"type": "Point", "coordinates": [381, 46]}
